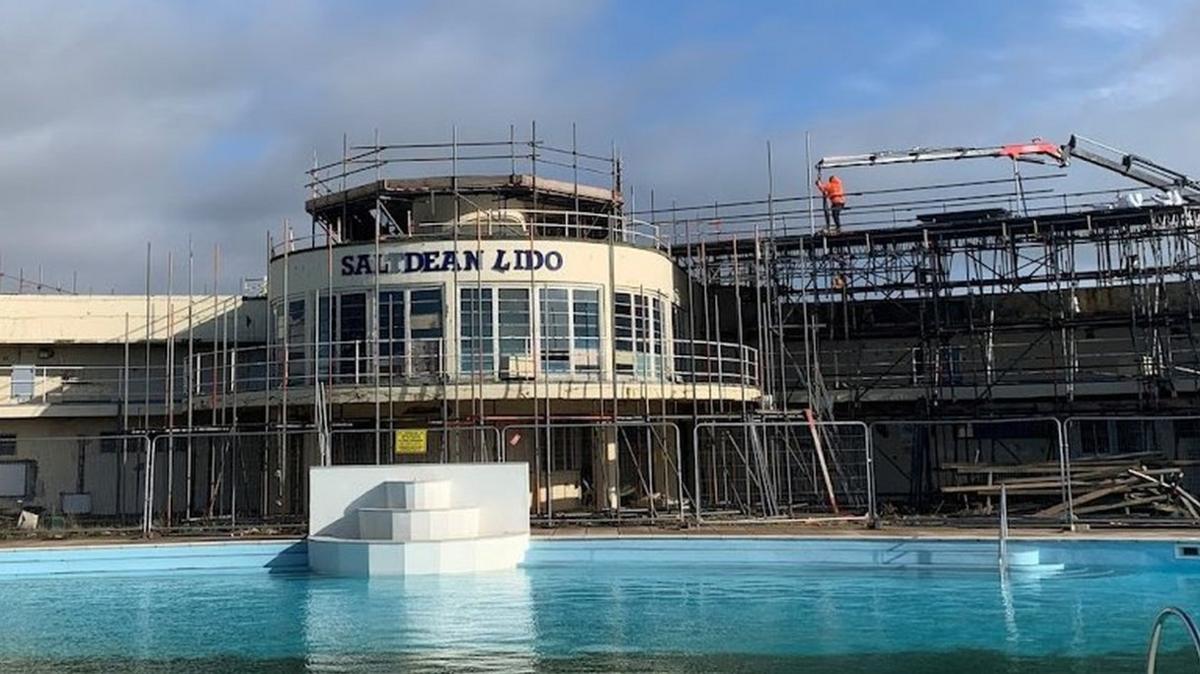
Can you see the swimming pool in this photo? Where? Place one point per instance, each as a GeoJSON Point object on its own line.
{"type": "Point", "coordinates": [604, 605]}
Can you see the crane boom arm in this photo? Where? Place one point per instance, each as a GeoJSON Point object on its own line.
{"type": "Point", "coordinates": [1016, 152]}
{"type": "Point", "coordinates": [1132, 166]}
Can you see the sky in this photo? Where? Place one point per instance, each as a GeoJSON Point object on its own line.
{"type": "Point", "coordinates": [123, 123]}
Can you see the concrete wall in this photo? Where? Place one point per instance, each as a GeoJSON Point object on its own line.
{"type": "Point", "coordinates": [499, 490]}
{"type": "Point", "coordinates": [101, 319]}
{"type": "Point", "coordinates": [69, 456]}
{"type": "Point", "coordinates": [583, 263]}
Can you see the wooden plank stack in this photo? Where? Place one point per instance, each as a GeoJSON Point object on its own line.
{"type": "Point", "coordinates": [1144, 485]}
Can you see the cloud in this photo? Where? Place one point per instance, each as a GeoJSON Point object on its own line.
{"type": "Point", "coordinates": [1115, 17]}
{"type": "Point", "coordinates": [131, 122]}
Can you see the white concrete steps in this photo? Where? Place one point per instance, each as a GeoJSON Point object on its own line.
{"type": "Point", "coordinates": [395, 524]}
{"type": "Point", "coordinates": [418, 495]}
{"type": "Point", "coordinates": [417, 518]}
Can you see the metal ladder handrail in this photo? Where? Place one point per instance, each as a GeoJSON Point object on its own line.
{"type": "Point", "coordinates": [1003, 526]}
{"type": "Point", "coordinates": [1156, 634]}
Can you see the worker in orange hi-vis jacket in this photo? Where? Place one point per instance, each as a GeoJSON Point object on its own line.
{"type": "Point", "coordinates": [835, 201]}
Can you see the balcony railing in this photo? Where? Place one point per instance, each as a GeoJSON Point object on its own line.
{"type": "Point", "coordinates": [213, 376]}
{"type": "Point", "coordinates": [418, 362]}
{"type": "Point", "coordinates": [87, 384]}
{"type": "Point", "coordinates": [510, 224]}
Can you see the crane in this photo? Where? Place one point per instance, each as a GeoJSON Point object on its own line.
{"type": "Point", "coordinates": [1132, 166]}
{"type": "Point", "coordinates": [1036, 151]}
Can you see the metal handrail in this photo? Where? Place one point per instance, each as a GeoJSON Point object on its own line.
{"type": "Point", "coordinates": [353, 362]}
{"type": "Point", "coordinates": [568, 225]}
{"type": "Point", "coordinates": [1003, 526]}
{"type": "Point", "coordinates": [1156, 634]}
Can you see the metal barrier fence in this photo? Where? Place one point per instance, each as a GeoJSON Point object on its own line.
{"type": "Point", "coordinates": [625, 470]}
{"type": "Point", "coordinates": [229, 479]}
{"type": "Point", "coordinates": [465, 444]}
{"type": "Point", "coordinates": [1093, 469]}
{"type": "Point", "coordinates": [75, 482]}
{"type": "Point", "coordinates": [790, 468]}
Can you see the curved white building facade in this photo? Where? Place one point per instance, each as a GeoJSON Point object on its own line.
{"type": "Point", "coordinates": [493, 319]}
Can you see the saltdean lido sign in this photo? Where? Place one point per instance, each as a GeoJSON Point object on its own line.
{"type": "Point", "coordinates": [449, 260]}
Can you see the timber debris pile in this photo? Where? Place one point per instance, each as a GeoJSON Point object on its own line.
{"type": "Point", "coordinates": [1145, 484]}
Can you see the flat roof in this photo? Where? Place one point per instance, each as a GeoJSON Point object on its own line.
{"type": "Point", "coordinates": [470, 184]}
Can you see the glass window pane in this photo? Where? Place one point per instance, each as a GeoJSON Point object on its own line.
{"type": "Point", "coordinates": [656, 334]}
{"type": "Point", "coordinates": [586, 316]}
{"type": "Point", "coordinates": [623, 324]}
{"type": "Point", "coordinates": [297, 349]}
{"type": "Point", "coordinates": [392, 345]}
{"type": "Point", "coordinates": [323, 330]}
{"type": "Point", "coordinates": [426, 314]}
{"type": "Point", "coordinates": [513, 319]}
{"type": "Point", "coordinates": [352, 333]}
{"type": "Point", "coordinates": [475, 324]}
{"type": "Point", "coordinates": [425, 330]}
{"type": "Point", "coordinates": [555, 319]}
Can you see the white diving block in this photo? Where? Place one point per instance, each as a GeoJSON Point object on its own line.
{"type": "Point", "coordinates": [392, 524]}
{"type": "Point", "coordinates": [409, 519]}
{"type": "Point", "coordinates": [418, 495]}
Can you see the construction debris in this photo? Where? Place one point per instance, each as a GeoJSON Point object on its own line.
{"type": "Point", "coordinates": [1132, 485]}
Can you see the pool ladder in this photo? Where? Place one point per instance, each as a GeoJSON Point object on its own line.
{"type": "Point", "coordinates": [1003, 527]}
{"type": "Point", "coordinates": [1156, 634]}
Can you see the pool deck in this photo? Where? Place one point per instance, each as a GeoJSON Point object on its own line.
{"type": "Point", "coordinates": [753, 530]}
{"type": "Point", "coordinates": [792, 530]}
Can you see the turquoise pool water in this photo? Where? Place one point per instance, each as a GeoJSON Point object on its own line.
{"type": "Point", "coordinates": [598, 616]}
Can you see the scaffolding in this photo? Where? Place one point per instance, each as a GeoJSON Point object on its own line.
{"type": "Point", "coordinates": [996, 299]}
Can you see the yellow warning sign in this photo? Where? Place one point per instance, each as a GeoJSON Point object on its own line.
{"type": "Point", "coordinates": [411, 440]}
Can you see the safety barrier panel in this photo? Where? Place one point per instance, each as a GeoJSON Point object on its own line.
{"type": "Point", "coordinates": [789, 468]}
{"type": "Point", "coordinates": [623, 469]}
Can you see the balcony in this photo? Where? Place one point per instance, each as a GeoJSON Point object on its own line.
{"type": "Point", "coordinates": [507, 224]}
{"type": "Point", "coordinates": [423, 363]}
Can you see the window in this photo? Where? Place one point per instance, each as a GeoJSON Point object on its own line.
{"type": "Point", "coordinates": [656, 336]}
{"type": "Point", "coordinates": [425, 330]}
{"type": "Point", "coordinates": [640, 334]}
{"type": "Point", "coordinates": [323, 330]}
{"type": "Point", "coordinates": [586, 330]}
{"type": "Point", "coordinates": [496, 335]}
{"type": "Point", "coordinates": [475, 327]}
{"type": "Point", "coordinates": [17, 478]}
{"type": "Point", "coordinates": [297, 352]}
{"type": "Point", "coordinates": [392, 332]}
{"type": "Point", "coordinates": [21, 387]}
{"type": "Point", "coordinates": [623, 339]}
{"type": "Point", "coordinates": [351, 333]}
{"type": "Point", "coordinates": [555, 321]}
{"type": "Point", "coordinates": [513, 323]}
{"type": "Point", "coordinates": [643, 336]}
{"type": "Point", "coordinates": [950, 357]}
{"type": "Point", "coordinates": [409, 331]}
{"type": "Point", "coordinates": [8, 445]}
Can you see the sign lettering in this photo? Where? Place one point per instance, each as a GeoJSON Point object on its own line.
{"type": "Point", "coordinates": [435, 261]}
{"type": "Point", "coordinates": [411, 440]}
